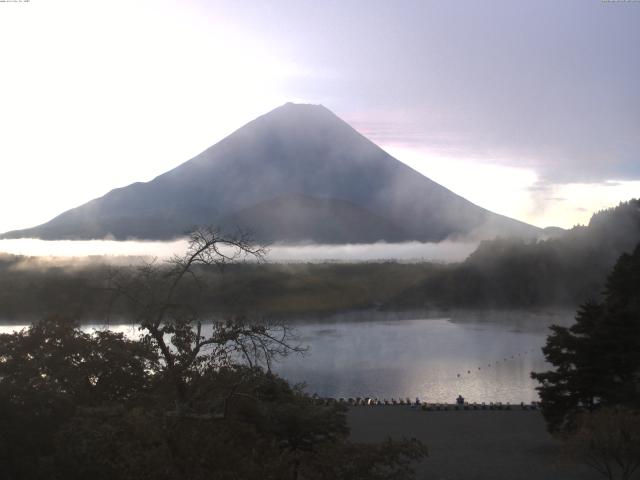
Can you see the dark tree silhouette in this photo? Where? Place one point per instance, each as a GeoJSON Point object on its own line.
{"type": "Point", "coordinates": [51, 371]}
{"type": "Point", "coordinates": [608, 440]}
{"type": "Point", "coordinates": [188, 400]}
{"type": "Point", "coordinates": [161, 299]}
{"type": "Point", "coordinates": [596, 360]}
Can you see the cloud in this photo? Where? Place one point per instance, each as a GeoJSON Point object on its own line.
{"type": "Point", "coordinates": [448, 251]}
{"type": "Point", "coordinates": [545, 86]}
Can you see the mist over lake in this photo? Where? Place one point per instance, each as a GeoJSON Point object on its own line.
{"type": "Point", "coordinates": [446, 251]}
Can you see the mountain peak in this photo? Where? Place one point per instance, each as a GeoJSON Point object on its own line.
{"type": "Point", "coordinates": [301, 112]}
{"type": "Point", "coordinates": [302, 105]}
{"type": "Point", "coordinates": [293, 149]}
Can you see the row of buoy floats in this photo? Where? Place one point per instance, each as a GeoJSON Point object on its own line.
{"type": "Point", "coordinates": [504, 360]}
{"type": "Point", "coordinates": [373, 401]}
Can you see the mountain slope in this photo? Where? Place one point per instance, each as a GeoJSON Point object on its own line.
{"type": "Point", "coordinates": [294, 149]}
{"type": "Point", "coordinates": [298, 218]}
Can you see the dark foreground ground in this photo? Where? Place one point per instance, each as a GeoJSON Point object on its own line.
{"type": "Point", "coordinates": [473, 445]}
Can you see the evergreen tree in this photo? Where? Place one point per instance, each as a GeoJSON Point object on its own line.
{"type": "Point", "coordinates": [596, 360]}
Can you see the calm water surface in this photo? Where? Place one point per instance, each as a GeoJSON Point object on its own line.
{"type": "Point", "coordinates": [485, 357]}
{"type": "Point", "coordinates": [482, 356]}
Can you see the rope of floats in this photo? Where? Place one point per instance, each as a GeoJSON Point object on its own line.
{"type": "Point", "coordinates": [459, 405]}
{"type": "Point", "coordinates": [372, 402]}
{"type": "Point", "coordinates": [515, 356]}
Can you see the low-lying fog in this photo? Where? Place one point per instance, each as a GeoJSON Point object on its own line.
{"type": "Point", "coordinates": [448, 251]}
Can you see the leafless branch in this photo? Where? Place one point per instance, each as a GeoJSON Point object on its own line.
{"type": "Point", "coordinates": [176, 328]}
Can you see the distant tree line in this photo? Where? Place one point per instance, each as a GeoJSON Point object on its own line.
{"type": "Point", "coordinates": [30, 288]}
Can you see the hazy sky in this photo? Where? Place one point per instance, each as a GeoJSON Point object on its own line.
{"type": "Point", "coordinates": [528, 108]}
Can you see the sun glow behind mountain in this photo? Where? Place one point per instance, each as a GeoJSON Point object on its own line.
{"type": "Point", "coordinates": [120, 103]}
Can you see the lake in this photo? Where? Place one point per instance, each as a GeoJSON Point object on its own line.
{"type": "Point", "coordinates": [484, 356]}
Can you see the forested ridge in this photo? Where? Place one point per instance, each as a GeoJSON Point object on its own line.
{"type": "Point", "coordinates": [565, 270]}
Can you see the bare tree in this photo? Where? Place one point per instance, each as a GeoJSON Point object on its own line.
{"type": "Point", "coordinates": [608, 440]}
{"type": "Point", "coordinates": [186, 340]}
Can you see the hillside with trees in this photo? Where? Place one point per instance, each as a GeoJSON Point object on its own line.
{"type": "Point", "coordinates": [596, 360]}
{"type": "Point", "coordinates": [509, 273]}
{"type": "Point", "coordinates": [591, 396]}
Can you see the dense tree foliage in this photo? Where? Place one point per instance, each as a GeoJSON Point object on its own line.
{"type": "Point", "coordinates": [189, 399]}
{"type": "Point", "coordinates": [77, 405]}
{"type": "Point", "coordinates": [608, 440]}
{"type": "Point", "coordinates": [48, 373]}
{"type": "Point", "coordinates": [596, 360]}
